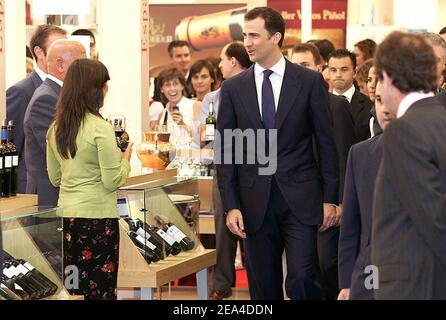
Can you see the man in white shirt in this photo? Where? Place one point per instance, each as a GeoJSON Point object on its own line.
{"type": "Point", "coordinates": [278, 211]}
{"type": "Point", "coordinates": [408, 225]}
{"type": "Point", "coordinates": [19, 95]}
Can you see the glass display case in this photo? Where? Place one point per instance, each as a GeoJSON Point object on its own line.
{"type": "Point", "coordinates": [31, 254]}
{"type": "Point", "coordinates": [159, 241]}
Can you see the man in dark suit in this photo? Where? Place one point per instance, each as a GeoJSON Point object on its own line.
{"type": "Point", "coordinates": [39, 116]}
{"type": "Point", "coordinates": [342, 66]}
{"type": "Point", "coordinates": [356, 224]}
{"type": "Point", "coordinates": [278, 206]}
{"type": "Point", "coordinates": [442, 97]}
{"type": "Point", "coordinates": [19, 95]}
{"type": "Point", "coordinates": [307, 55]}
{"type": "Point", "coordinates": [409, 222]}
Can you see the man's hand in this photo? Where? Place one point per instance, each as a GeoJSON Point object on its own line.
{"type": "Point", "coordinates": [234, 221]}
{"type": "Point", "coordinates": [344, 294]}
{"type": "Point", "coordinates": [329, 217]}
{"type": "Point", "coordinates": [338, 215]}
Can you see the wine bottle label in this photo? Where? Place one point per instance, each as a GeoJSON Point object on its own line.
{"type": "Point", "coordinates": [8, 273]}
{"type": "Point", "coordinates": [15, 161]}
{"type": "Point", "coordinates": [1, 163]}
{"type": "Point", "coordinates": [17, 287]}
{"type": "Point", "coordinates": [13, 270]}
{"type": "Point", "coordinates": [166, 237]}
{"type": "Point", "coordinates": [179, 232]}
{"type": "Point", "coordinates": [142, 233]}
{"type": "Point", "coordinates": [3, 286]}
{"type": "Point", "coordinates": [29, 266]}
{"type": "Point", "coordinates": [148, 243]}
{"type": "Point", "coordinates": [22, 269]}
{"type": "Point", "coordinates": [8, 162]}
{"type": "Point", "coordinates": [210, 132]}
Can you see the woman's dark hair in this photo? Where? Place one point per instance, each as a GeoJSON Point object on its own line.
{"type": "Point", "coordinates": [82, 93]}
{"type": "Point", "coordinates": [196, 68]}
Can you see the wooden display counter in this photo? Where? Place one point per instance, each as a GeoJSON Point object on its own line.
{"type": "Point", "coordinates": [135, 272]}
{"type": "Point", "coordinates": [16, 202]}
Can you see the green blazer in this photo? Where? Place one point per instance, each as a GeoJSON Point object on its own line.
{"type": "Point", "coordinates": [88, 182]}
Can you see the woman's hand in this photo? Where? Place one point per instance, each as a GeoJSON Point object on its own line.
{"type": "Point", "coordinates": [127, 154]}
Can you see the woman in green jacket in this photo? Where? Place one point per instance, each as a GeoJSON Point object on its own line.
{"type": "Point", "coordinates": [84, 161]}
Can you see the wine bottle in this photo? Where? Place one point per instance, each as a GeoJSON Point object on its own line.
{"type": "Point", "coordinates": [16, 284]}
{"type": "Point", "coordinates": [136, 224]}
{"type": "Point", "coordinates": [15, 159]}
{"type": "Point", "coordinates": [6, 163]}
{"type": "Point", "coordinates": [176, 247]}
{"type": "Point", "coordinates": [145, 247]}
{"type": "Point", "coordinates": [7, 294]}
{"type": "Point", "coordinates": [39, 277]}
{"type": "Point", "coordinates": [25, 275]}
{"type": "Point", "coordinates": [157, 247]}
{"type": "Point", "coordinates": [211, 123]}
{"type": "Point", "coordinates": [185, 242]}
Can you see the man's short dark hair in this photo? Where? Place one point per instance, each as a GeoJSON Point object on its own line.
{"type": "Point", "coordinates": [409, 61]}
{"type": "Point", "coordinates": [84, 32]}
{"type": "Point", "coordinates": [273, 20]}
{"type": "Point", "coordinates": [325, 47]}
{"type": "Point", "coordinates": [443, 31]}
{"type": "Point", "coordinates": [342, 53]}
{"type": "Point", "coordinates": [309, 47]}
{"type": "Point", "coordinates": [41, 35]}
{"type": "Point", "coordinates": [367, 47]}
{"type": "Point", "coordinates": [177, 44]}
{"type": "Point", "coordinates": [237, 50]}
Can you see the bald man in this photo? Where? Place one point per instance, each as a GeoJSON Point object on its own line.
{"type": "Point", "coordinates": [40, 114]}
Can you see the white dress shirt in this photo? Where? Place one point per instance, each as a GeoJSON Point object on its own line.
{"type": "Point", "coordinates": [347, 94]}
{"type": "Point", "coordinates": [276, 79]}
{"type": "Point", "coordinates": [409, 100]}
{"type": "Point", "coordinates": [40, 73]}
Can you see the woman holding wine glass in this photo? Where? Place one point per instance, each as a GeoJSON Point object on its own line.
{"type": "Point", "coordinates": [83, 159]}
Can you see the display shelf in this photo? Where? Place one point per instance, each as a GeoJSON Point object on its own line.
{"type": "Point", "coordinates": [18, 201]}
{"type": "Point", "coordinates": [206, 224]}
{"type": "Point", "coordinates": [152, 196]}
{"type": "Point", "coordinates": [36, 237]}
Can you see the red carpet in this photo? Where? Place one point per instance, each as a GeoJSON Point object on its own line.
{"type": "Point", "coordinates": [241, 280]}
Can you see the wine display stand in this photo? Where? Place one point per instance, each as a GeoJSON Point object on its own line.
{"type": "Point", "coordinates": [18, 201]}
{"type": "Point", "coordinates": [17, 241]}
{"type": "Point", "coordinates": [145, 201]}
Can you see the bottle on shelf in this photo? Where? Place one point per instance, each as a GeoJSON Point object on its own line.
{"type": "Point", "coordinates": [15, 158]}
{"type": "Point", "coordinates": [6, 163]}
{"type": "Point", "coordinates": [145, 247]}
{"type": "Point", "coordinates": [211, 123]}
{"type": "Point", "coordinates": [185, 242]}
{"type": "Point", "coordinates": [137, 226]}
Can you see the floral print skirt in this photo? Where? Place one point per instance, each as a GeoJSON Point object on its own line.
{"type": "Point", "coordinates": [91, 248]}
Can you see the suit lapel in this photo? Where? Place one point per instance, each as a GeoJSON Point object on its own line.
{"type": "Point", "coordinates": [291, 86]}
{"type": "Point", "coordinates": [357, 104]}
{"type": "Point", "coordinates": [53, 85]}
{"type": "Point", "coordinates": [248, 94]}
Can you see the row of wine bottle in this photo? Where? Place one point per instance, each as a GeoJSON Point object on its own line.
{"type": "Point", "coordinates": [21, 280]}
{"type": "Point", "coordinates": [9, 161]}
{"type": "Point", "coordinates": [156, 243]}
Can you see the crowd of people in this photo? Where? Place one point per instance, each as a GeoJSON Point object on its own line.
{"type": "Point", "coordinates": [360, 179]}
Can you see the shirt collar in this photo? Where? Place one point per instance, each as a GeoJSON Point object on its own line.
{"type": "Point", "coordinates": [59, 82]}
{"type": "Point", "coordinates": [42, 75]}
{"type": "Point", "coordinates": [278, 68]}
{"type": "Point", "coordinates": [410, 99]}
{"type": "Point", "coordinates": [347, 94]}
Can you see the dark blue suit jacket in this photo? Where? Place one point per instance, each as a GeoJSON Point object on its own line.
{"type": "Point", "coordinates": [38, 118]}
{"type": "Point", "coordinates": [442, 97]}
{"type": "Point", "coordinates": [17, 100]}
{"type": "Point", "coordinates": [356, 223]}
{"type": "Point", "coordinates": [303, 112]}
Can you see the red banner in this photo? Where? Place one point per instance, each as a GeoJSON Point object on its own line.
{"type": "Point", "coordinates": [327, 15]}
